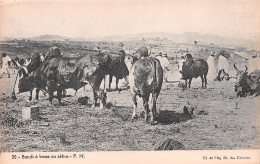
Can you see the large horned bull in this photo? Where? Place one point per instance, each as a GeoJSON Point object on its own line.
{"type": "Point", "coordinates": [247, 84]}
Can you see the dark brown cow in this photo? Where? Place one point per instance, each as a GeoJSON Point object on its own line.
{"type": "Point", "coordinates": [193, 69]}
{"type": "Point", "coordinates": [25, 82]}
{"type": "Point", "coordinates": [117, 67]}
{"type": "Point", "coordinates": [247, 84]}
{"type": "Point", "coordinates": [59, 73]}
{"type": "Point", "coordinates": [30, 78]}
{"type": "Point", "coordinates": [145, 78]}
{"type": "Point", "coordinates": [62, 73]}
{"type": "Point", "coordinates": [52, 52]}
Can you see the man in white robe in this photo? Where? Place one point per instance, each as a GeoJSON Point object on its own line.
{"type": "Point", "coordinates": [254, 63]}
{"type": "Point", "coordinates": [180, 63]}
{"type": "Point", "coordinates": [165, 66]}
{"type": "Point", "coordinates": [223, 67]}
{"type": "Point", "coordinates": [211, 72]}
{"type": "Point", "coordinates": [5, 66]}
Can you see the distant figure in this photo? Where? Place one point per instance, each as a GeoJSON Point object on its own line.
{"type": "Point", "coordinates": [223, 66]}
{"type": "Point", "coordinates": [180, 63]}
{"type": "Point", "coordinates": [42, 57]}
{"type": "Point", "coordinates": [5, 66]}
{"type": "Point", "coordinates": [211, 64]}
{"type": "Point", "coordinates": [253, 63]}
{"type": "Point", "coordinates": [159, 56]}
{"type": "Point", "coordinates": [165, 65]}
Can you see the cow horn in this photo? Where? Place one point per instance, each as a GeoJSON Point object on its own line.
{"type": "Point", "coordinates": [17, 63]}
{"type": "Point", "coordinates": [235, 67]}
{"type": "Point", "coordinates": [246, 68]}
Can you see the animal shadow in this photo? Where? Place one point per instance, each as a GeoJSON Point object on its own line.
{"type": "Point", "coordinates": [169, 117]}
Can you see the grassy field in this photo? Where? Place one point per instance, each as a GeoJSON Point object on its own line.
{"type": "Point", "coordinates": [221, 120]}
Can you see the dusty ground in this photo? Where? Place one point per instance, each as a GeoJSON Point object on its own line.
{"type": "Point", "coordinates": [219, 123]}
{"type": "Point", "coordinates": [76, 127]}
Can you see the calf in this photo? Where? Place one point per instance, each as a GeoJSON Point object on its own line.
{"type": "Point", "coordinates": [145, 78]}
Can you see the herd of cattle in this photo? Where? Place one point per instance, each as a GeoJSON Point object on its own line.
{"type": "Point", "coordinates": [143, 73]}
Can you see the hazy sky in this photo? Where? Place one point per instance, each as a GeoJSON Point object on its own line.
{"type": "Point", "coordinates": [238, 18]}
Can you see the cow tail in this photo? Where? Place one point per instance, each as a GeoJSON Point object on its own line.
{"type": "Point", "coordinates": [105, 88]}
{"type": "Point", "coordinates": [154, 80]}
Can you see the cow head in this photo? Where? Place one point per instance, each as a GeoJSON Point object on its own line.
{"type": "Point", "coordinates": [241, 74]}
{"type": "Point", "coordinates": [242, 77]}
{"type": "Point", "coordinates": [180, 63]}
{"type": "Point", "coordinates": [95, 65]}
{"type": "Point", "coordinates": [129, 61]}
{"type": "Point", "coordinates": [122, 52]}
{"type": "Point", "coordinates": [188, 57]}
{"type": "Point", "coordinates": [52, 52]}
{"type": "Point", "coordinates": [22, 72]}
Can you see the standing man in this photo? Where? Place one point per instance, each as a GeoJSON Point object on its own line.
{"type": "Point", "coordinates": [180, 64]}
{"type": "Point", "coordinates": [211, 64]}
{"type": "Point", "coordinates": [223, 65]}
{"type": "Point", "coordinates": [5, 66]}
{"type": "Point", "coordinates": [253, 63]}
{"type": "Point", "coordinates": [159, 56]}
{"type": "Point", "coordinates": [165, 65]}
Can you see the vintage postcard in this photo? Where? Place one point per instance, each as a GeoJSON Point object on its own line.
{"type": "Point", "coordinates": [120, 81]}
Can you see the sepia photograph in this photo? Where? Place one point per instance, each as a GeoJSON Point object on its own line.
{"type": "Point", "coordinates": [144, 81]}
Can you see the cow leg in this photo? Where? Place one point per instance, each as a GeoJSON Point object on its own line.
{"type": "Point", "coordinates": [117, 80]}
{"type": "Point", "coordinates": [202, 81]}
{"type": "Point", "coordinates": [110, 81]}
{"type": "Point", "coordinates": [153, 111]}
{"type": "Point", "coordinates": [50, 96]}
{"type": "Point", "coordinates": [205, 80]}
{"type": "Point", "coordinates": [219, 73]}
{"type": "Point", "coordinates": [156, 110]}
{"type": "Point", "coordinates": [186, 83]}
{"type": "Point", "coordinates": [64, 93]}
{"type": "Point", "coordinates": [59, 95]}
{"type": "Point", "coordinates": [190, 82]}
{"type": "Point", "coordinates": [51, 89]}
{"type": "Point", "coordinates": [103, 99]}
{"type": "Point", "coordinates": [37, 94]}
{"type": "Point", "coordinates": [30, 97]}
{"type": "Point", "coordinates": [134, 103]}
{"type": "Point", "coordinates": [126, 79]}
{"type": "Point", "coordinates": [95, 99]}
{"type": "Point", "coordinates": [146, 108]}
